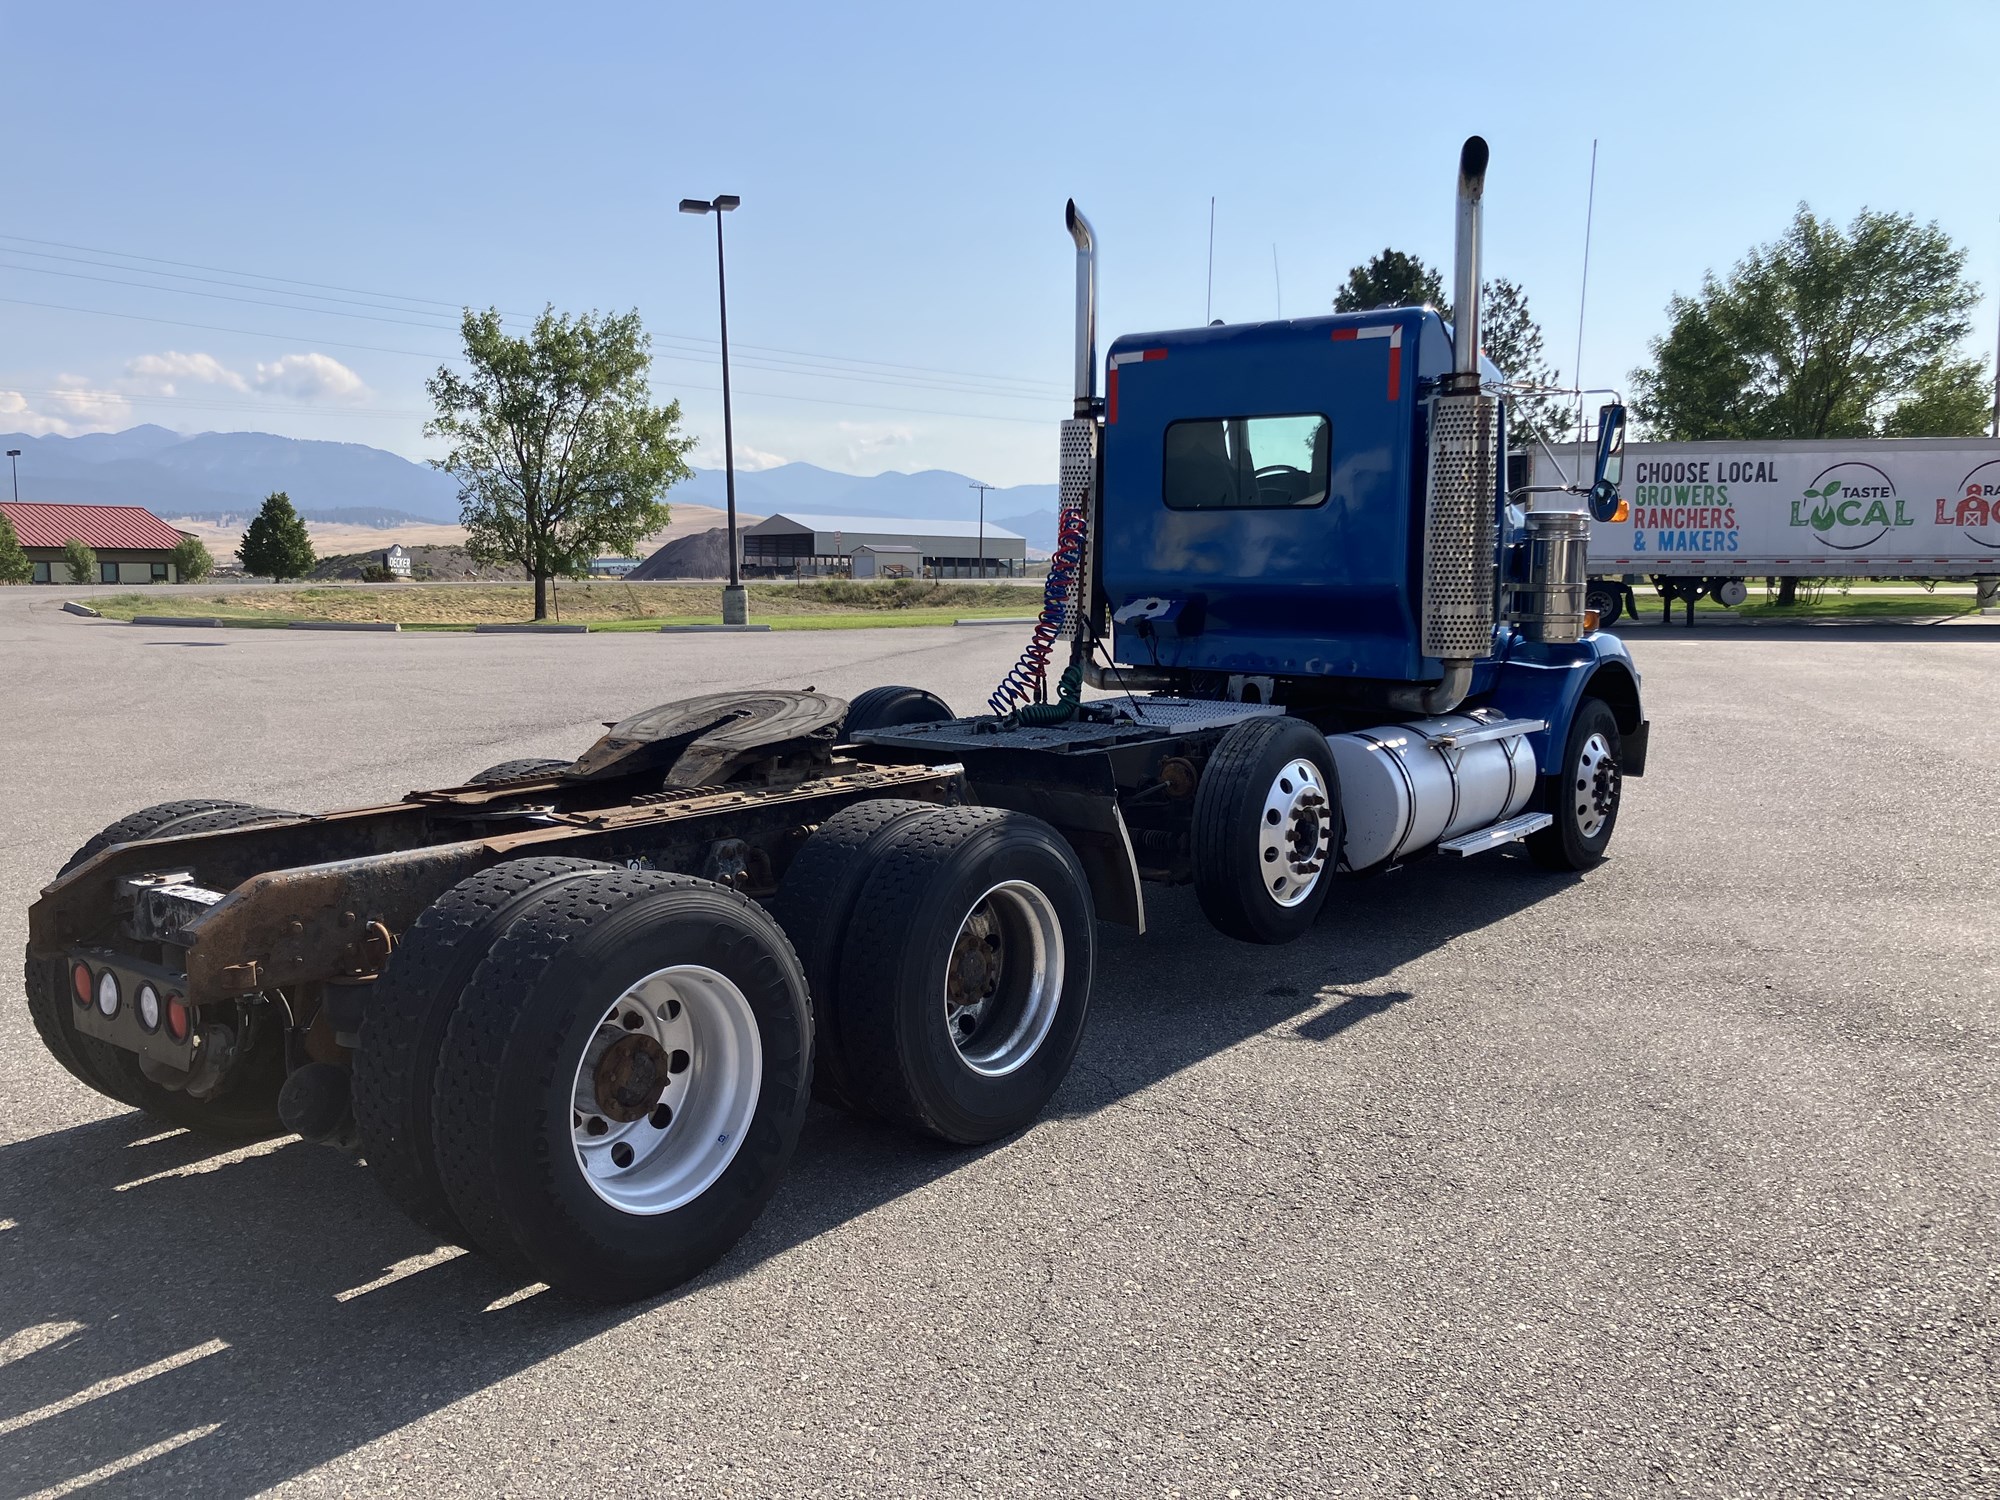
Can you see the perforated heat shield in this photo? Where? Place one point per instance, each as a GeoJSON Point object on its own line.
{"type": "Point", "coordinates": [1459, 521]}
{"type": "Point", "coordinates": [1075, 479]}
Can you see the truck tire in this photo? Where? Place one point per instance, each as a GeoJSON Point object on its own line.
{"type": "Point", "coordinates": [886, 707]}
{"type": "Point", "coordinates": [517, 770]}
{"type": "Point", "coordinates": [395, 1066]}
{"type": "Point", "coordinates": [97, 1065]}
{"type": "Point", "coordinates": [1584, 800]}
{"type": "Point", "coordinates": [621, 1101]}
{"type": "Point", "coordinates": [1266, 830]}
{"type": "Point", "coordinates": [814, 904]}
{"type": "Point", "coordinates": [965, 978]}
{"type": "Point", "coordinates": [1608, 599]}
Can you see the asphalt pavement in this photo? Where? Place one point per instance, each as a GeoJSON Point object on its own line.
{"type": "Point", "coordinates": [1677, 1178]}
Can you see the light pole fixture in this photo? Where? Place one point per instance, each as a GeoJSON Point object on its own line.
{"type": "Point", "coordinates": [14, 458]}
{"type": "Point", "coordinates": [735, 604]}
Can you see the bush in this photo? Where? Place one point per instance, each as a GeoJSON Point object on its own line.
{"type": "Point", "coordinates": [376, 573]}
{"type": "Point", "coordinates": [79, 561]}
{"type": "Point", "coordinates": [191, 559]}
{"type": "Point", "coordinates": [15, 565]}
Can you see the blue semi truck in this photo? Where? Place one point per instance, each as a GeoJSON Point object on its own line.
{"type": "Point", "coordinates": [572, 1012]}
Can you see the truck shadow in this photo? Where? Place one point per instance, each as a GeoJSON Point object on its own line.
{"type": "Point", "coordinates": [178, 1317]}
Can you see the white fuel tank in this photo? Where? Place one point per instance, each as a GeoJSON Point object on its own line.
{"type": "Point", "coordinates": [1403, 787]}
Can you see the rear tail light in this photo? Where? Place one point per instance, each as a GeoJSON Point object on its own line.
{"type": "Point", "coordinates": [177, 1018]}
{"type": "Point", "coordinates": [107, 994]}
{"type": "Point", "coordinates": [147, 1005]}
{"type": "Point", "coordinates": [82, 983]}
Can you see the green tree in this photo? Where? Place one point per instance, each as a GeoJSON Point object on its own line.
{"type": "Point", "coordinates": [1824, 332]}
{"type": "Point", "coordinates": [1512, 339]}
{"type": "Point", "coordinates": [277, 545]}
{"type": "Point", "coordinates": [79, 562]}
{"type": "Point", "coordinates": [1391, 279]}
{"type": "Point", "coordinates": [558, 451]}
{"type": "Point", "coordinates": [191, 559]}
{"type": "Point", "coordinates": [15, 566]}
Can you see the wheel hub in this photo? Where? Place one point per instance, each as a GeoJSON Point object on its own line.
{"type": "Point", "coordinates": [1296, 834]}
{"type": "Point", "coordinates": [1598, 783]}
{"type": "Point", "coordinates": [1003, 982]}
{"type": "Point", "coordinates": [630, 1077]}
{"type": "Point", "coordinates": [974, 974]}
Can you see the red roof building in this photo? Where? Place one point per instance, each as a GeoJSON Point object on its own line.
{"type": "Point", "coordinates": [132, 544]}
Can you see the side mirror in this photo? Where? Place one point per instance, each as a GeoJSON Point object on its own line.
{"type": "Point", "coordinates": [1610, 461]}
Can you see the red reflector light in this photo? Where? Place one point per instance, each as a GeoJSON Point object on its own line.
{"type": "Point", "coordinates": [82, 984]}
{"type": "Point", "coordinates": [177, 1018]}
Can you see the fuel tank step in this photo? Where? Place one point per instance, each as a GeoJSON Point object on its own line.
{"type": "Point", "coordinates": [1500, 833]}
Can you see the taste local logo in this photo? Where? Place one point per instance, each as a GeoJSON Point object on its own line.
{"type": "Point", "coordinates": [1977, 508]}
{"type": "Point", "coordinates": [1851, 506]}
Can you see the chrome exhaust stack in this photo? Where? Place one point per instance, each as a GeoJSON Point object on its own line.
{"type": "Point", "coordinates": [1086, 308]}
{"type": "Point", "coordinates": [1461, 506]}
{"type": "Point", "coordinates": [1472, 157]}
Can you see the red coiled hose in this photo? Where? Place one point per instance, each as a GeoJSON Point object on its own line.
{"type": "Point", "coordinates": [1027, 682]}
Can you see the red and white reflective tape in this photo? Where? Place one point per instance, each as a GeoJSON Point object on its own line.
{"type": "Point", "coordinates": [1393, 332]}
{"type": "Point", "coordinates": [1136, 356]}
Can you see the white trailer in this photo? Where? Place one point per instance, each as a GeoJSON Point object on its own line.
{"type": "Point", "coordinates": [1698, 518]}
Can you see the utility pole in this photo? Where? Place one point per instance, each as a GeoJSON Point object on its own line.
{"type": "Point", "coordinates": [14, 458]}
{"type": "Point", "coordinates": [982, 488]}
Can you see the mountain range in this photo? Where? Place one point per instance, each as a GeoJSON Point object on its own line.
{"type": "Point", "coordinates": [216, 475]}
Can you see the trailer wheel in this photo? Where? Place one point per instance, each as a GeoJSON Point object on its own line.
{"type": "Point", "coordinates": [814, 905]}
{"type": "Point", "coordinates": [109, 1070]}
{"type": "Point", "coordinates": [1266, 830]}
{"type": "Point", "coordinates": [620, 1103]}
{"type": "Point", "coordinates": [886, 707]}
{"type": "Point", "coordinates": [395, 1066]}
{"type": "Point", "coordinates": [1584, 800]}
{"type": "Point", "coordinates": [965, 978]}
{"type": "Point", "coordinates": [517, 770]}
{"type": "Point", "coordinates": [1608, 599]}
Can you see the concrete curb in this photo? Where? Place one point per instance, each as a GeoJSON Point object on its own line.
{"type": "Point", "coordinates": [707, 629]}
{"type": "Point", "coordinates": [1009, 620]}
{"type": "Point", "coordinates": [194, 620]}
{"type": "Point", "coordinates": [344, 625]}
{"type": "Point", "coordinates": [70, 606]}
{"type": "Point", "coordinates": [531, 630]}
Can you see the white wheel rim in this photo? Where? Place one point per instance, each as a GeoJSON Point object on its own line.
{"type": "Point", "coordinates": [1004, 978]}
{"type": "Point", "coordinates": [1294, 834]}
{"type": "Point", "coordinates": [655, 1122]}
{"type": "Point", "coordinates": [1592, 806]}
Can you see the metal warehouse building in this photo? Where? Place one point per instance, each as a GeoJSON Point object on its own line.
{"type": "Point", "coordinates": [796, 544]}
{"type": "Point", "coordinates": [132, 544]}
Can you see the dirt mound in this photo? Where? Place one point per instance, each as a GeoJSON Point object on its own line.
{"type": "Point", "coordinates": [427, 565]}
{"type": "Point", "coordinates": [703, 554]}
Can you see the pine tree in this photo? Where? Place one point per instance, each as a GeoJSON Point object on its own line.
{"type": "Point", "coordinates": [277, 545]}
{"type": "Point", "coordinates": [14, 564]}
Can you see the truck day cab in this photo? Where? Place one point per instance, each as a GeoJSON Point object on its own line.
{"type": "Point", "coordinates": [572, 1013]}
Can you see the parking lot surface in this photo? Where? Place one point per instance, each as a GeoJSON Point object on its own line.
{"type": "Point", "coordinates": [1674, 1179]}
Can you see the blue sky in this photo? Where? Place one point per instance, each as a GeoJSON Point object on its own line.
{"type": "Point", "coordinates": [899, 275]}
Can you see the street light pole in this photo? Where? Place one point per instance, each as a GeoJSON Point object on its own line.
{"type": "Point", "coordinates": [982, 488]}
{"type": "Point", "coordinates": [735, 604]}
{"type": "Point", "coordinates": [14, 458]}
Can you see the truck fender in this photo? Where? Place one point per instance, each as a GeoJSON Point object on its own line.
{"type": "Point", "coordinates": [1551, 690]}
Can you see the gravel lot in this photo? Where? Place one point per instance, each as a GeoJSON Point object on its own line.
{"type": "Point", "coordinates": [1675, 1179]}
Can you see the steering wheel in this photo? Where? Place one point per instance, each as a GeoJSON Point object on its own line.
{"type": "Point", "coordinates": [1286, 480]}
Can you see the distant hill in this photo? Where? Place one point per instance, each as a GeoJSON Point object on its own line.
{"type": "Point", "coordinates": [227, 474]}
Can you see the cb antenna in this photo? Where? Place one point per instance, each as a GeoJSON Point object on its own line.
{"type": "Point", "coordinates": [1208, 306]}
{"type": "Point", "coordinates": [1583, 292]}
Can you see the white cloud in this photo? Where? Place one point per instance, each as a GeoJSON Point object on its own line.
{"type": "Point", "coordinates": [72, 407]}
{"type": "Point", "coordinates": [310, 377]}
{"type": "Point", "coordinates": [157, 374]}
{"type": "Point", "coordinates": [870, 440]}
{"type": "Point", "coordinates": [748, 460]}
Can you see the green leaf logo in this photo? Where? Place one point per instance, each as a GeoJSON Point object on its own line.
{"type": "Point", "coordinates": [1832, 488]}
{"type": "Point", "coordinates": [1812, 494]}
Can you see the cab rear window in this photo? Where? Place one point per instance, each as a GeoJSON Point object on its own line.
{"type": "Point", "coordinates": [1247, 463]}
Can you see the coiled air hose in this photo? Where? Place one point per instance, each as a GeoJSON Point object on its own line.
{"type": "Point", "coordinates": [1027, 682]}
